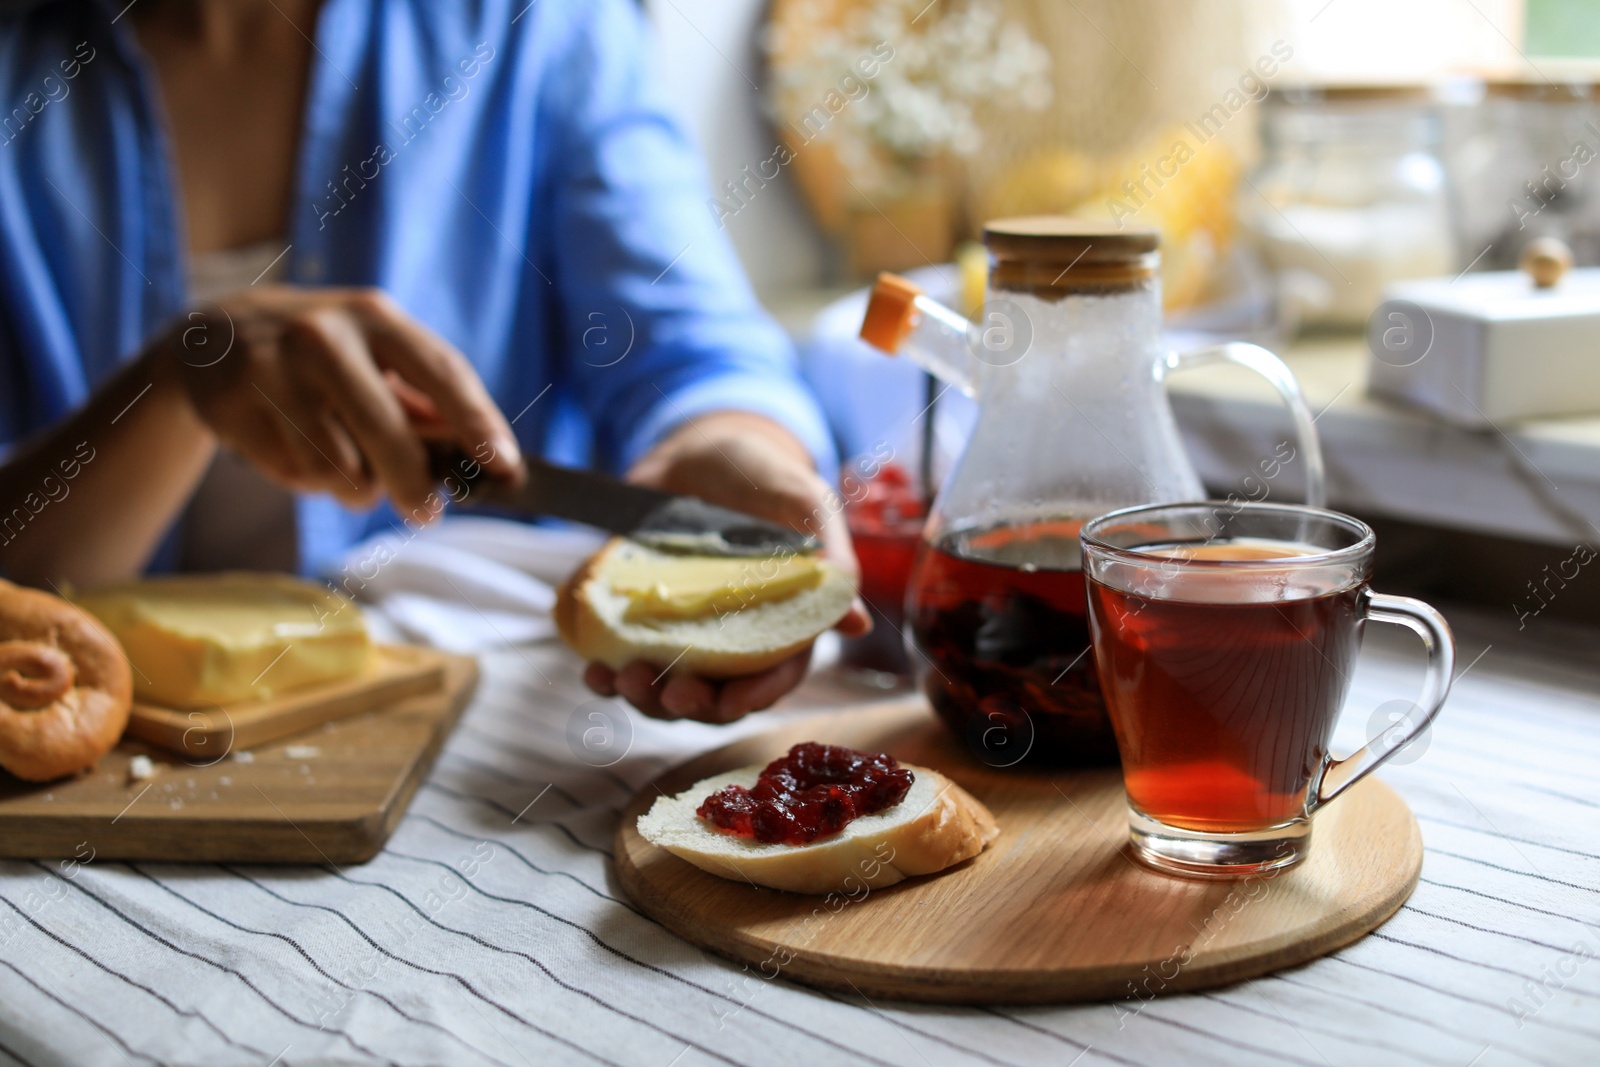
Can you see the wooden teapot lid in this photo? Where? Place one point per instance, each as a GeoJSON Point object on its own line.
{"type": "Point", "coordinates": [1056, 255]}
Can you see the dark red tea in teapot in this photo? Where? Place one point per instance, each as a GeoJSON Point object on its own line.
{"type": "Point", "coordinates": [1001, 617]}
{"type": "Point", "coordinates": [1068, 367]}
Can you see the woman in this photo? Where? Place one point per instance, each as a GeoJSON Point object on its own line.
{"type": "Point", "coordinates": [255, 247]}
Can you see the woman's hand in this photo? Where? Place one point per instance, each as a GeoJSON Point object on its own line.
{"type": "Point", "coordinates": [752, 464]}
{"type": "Point", "coordinates": [336, 391]}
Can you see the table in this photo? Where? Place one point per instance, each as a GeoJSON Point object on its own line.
{"type": "Point", "coordinates": [490, 930]}
{"type": "Point", "coordinates": [1538, 480]}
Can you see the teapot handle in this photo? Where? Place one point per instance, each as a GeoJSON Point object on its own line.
{"type": "Point", "coordinates": [1276, 371]}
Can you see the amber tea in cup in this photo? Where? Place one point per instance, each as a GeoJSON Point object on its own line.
{"type": "Point", "coordinates": [1225, 637]}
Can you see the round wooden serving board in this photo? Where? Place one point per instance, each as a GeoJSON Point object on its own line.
{"type": "Point", "coordinates": [1055, 910]}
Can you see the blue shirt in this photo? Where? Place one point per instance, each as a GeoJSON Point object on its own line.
{"type": "Point", "coordinates": [506, 170]}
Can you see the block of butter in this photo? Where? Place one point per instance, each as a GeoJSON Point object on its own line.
{"type": "Point", "coordinates": [205, 640]}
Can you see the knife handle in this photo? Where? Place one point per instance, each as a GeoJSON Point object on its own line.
{"type": "Point", "coordinates": [548, 490]}
{"type": "Point", "coordinates": [458, 475]}
{"type": "Point", "coordinates": [449, 461]}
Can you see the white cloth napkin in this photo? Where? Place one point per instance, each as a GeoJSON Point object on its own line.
{"type": "Point", "coordinates": [467, 583]}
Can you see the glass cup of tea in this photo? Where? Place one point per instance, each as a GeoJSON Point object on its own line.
{"type": "Point", "coordinates": [1225, 636]}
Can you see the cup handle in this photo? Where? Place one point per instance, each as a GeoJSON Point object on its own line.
{"type": "Point", "coordinates": [1276, 371]}
{"type": "Point", "coordinates": [1427, 623]}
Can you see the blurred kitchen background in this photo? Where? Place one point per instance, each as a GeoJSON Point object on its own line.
{"type": "Point", "coordinates": [1352, 183]}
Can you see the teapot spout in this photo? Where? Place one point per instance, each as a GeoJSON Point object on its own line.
{"type": "Point", "coordinates": [903, 320]}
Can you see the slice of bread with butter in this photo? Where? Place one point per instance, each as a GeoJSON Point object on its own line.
{"type": "Point", "coordinates": [712, 616]}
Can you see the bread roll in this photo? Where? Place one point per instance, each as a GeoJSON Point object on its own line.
{"type": "Point", "coordinates": [65, 686]}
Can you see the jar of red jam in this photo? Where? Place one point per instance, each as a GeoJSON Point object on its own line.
{"type": "Point", "coordinates": [885, 512]}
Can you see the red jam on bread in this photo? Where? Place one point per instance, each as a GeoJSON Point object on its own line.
{"type": "Point", "coordinates": [813, 791]}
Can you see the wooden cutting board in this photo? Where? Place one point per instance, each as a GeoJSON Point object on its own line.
{"type": "Point", "coordinates": [1055, 910]}
{"type": "Point", "coordinates": [210, 733]}
{"type": "Point", "coordinates": [331, 796]}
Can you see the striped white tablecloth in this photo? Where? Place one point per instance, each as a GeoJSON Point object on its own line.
{"type": "Point", "coordinates": [491, 931]}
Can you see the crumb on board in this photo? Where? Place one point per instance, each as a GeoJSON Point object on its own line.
{"type": "Point", "coordinates": [141, 768]}
{"type": "Point", "coordinates": [302, 752]}
{"type": "Point", "coordinates": [244, 757]}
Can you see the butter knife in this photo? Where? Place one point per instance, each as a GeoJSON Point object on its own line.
{"type": "Point", "coordinates": [663, 521]}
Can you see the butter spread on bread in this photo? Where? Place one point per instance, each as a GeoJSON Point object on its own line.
{"type": "Point", "coordinates": [692, 587]}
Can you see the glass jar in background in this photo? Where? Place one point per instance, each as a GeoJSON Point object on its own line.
{"type": "Point", "coordinates": [1350, 195]}
{"type": "Point", "coordinates": [885, 508]}
{"type": "Point", "coordinates": [1526, 164]}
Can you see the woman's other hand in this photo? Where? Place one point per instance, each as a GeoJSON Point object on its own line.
{"type": "Point", "coordinates": [749, 463]}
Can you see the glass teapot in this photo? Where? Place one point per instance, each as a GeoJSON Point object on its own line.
{"type": "Point", "coordinates": [1067, 366]}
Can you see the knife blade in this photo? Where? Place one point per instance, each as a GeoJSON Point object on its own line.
{"type": "Point", "coordinates": [663, 521]}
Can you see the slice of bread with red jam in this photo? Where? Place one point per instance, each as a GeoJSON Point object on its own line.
{"type": "Point", "coordinates": [936, 825]}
